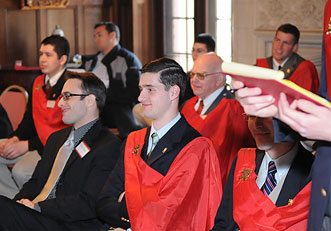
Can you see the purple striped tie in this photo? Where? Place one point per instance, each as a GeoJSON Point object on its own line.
{"type": "Point", "coordinates": [270, 183]}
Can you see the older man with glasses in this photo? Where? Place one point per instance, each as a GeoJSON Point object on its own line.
{"type": "Point", "coordinates": [214, 112]}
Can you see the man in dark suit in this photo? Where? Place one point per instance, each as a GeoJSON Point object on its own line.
{"type": "Point", "coordinates": [263, 179]}
{"type": "Point", "coordinates": [62, 192]}
{"type": "Point", "coordinates": [214, 113]}
{"type": "Point", "coordinates": [168, 177]}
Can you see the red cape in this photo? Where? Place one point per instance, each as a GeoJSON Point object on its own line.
{"type": "Point", "coordinates": [186, 198]}
{"type": "Point", "coordinates": [252, 210]}
{"type": "Point", "coordinates": [46, 120]}
{"type": "Point", "coordinates": [226, 126]}
{"type": "Point", "coordinates": [305, 75]}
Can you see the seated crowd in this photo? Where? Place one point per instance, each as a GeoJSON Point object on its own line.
{"type": "Point", "coordinates": [207, 159]}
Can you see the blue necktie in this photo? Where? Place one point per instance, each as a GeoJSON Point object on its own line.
{"type": "Point", "coordinates": [270, 182]}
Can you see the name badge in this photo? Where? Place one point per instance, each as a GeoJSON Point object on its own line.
{"type": "Point", "coordinates": [50, 103]}
{"type": "Point", "coordinates": [82, 149]}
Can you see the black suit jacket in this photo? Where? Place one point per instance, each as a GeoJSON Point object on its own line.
{"type": "Point", "coordinates": [81, 180]}
{"type": "Point", "coordinates": [5, 124]}
{"type": "Point", "coordinates": [108, 209]}
{"type": "Point", "coordinates": [297, 177]}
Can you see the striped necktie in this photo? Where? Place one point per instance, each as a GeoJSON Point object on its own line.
{"type": "Point", "coordinates": [270, 182]}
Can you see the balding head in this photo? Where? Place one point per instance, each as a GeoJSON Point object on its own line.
{"type": "Point", "coordinates": [210, 65]}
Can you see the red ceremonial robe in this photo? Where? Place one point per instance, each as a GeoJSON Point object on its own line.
{"type": "Point", "coordinates": [305, 75]}
{"type": "Point", "coordinates": [327, 45]}
{"type": "Point", "coordinates": [252, 210]}
{"type": "Point", "coordinates": [46, 119]}
{"type": "Point", "coordinates": [225, 125]}
{"type": "Point", "coordinates": [186, 198]}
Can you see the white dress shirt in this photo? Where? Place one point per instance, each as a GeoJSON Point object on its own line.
{"type": "Point", "coordinates": [283, 165]}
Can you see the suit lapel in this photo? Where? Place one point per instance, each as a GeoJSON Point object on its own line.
{"type": "Point", "coordinates": [258, 160]}
{"type": "Point", "coordinates": [296, 177]}
{"type": "Point", "coordinates": [216, 102]}
{"type": "Point", "coordinates": [168, 142]}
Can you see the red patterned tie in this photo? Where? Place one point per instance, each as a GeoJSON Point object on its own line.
{"type": "Point", "coordinates": [200, 108]}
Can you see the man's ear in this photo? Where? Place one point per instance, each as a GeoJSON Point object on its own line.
{"type": "Point", "coordinates": [174, 92]}
{"type": "Point", "coordinates": [63, 60]}
{"type": "Point", "coordinates": [296, 48]}
{"type": "Point", "coordinates": [90, 100]}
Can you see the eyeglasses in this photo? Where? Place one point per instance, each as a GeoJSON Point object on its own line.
{"type": "Point", "coordinates": [66, 95]}
{"type": "Point", "coordinates": [202, 76]}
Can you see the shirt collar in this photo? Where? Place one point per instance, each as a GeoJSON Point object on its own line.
{"type": "Point", "coordinates": [162, 131]}
{"type": "Point", "coordinates": [207, 102]}
{"type": "Point", "coordinates": [283, 162]}
{"type": "Point", "coordinates": [55, 78]}
{"type": "Point", "coordinates": [276, 64]}
{"type": "Point", "coordinates": [80, 132]}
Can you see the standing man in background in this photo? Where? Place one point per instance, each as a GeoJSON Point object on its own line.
{"type": "Point", "coordinates": [118, 68]}
{"type": "Point", "coordinates": [42, 118]}
{"type": "Point", "coordinates": [284, 57]}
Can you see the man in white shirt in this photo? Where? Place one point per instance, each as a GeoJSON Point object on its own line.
{"type": "Point", "coordinates": [42, 117]}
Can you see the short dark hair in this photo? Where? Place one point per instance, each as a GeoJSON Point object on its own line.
{"type": "Point", "coordinates": [110, 27]}
{"type": "Point", "coordinates": [60, 44]}
{"type": "Point", "coordinates": [290, 29]}
{"type": "Point", "coordinates": [206, 39]}
{"type": "Point", "coordinates": [171, 73]}
{"type": "Point", "coordinates": [91, 84]}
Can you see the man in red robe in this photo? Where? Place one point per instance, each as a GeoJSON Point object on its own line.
{"type": "Point", "coordinates": [168, 177]}
{"type": "Point", "coordinates": [284, 57]}
{"type": "Point", "coordinates": [268, 188]}
{"type": "Point", "coordinates": [42, 117]}
{"type": "Point", "coordinates": [221, 119]}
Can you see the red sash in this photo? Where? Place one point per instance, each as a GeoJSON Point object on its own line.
{"type": "Point", "coordinates": [225, 126]}
{"type": "Point", "coordinates": [305, 75]}
{"type": "Point", "coordinates": [46, 120]}
{"type": "Point", "coordinates": [187, 198]}
{"type": "Point", "coordinates": [252, 210]}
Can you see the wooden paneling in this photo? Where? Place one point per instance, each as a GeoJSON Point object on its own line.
{"type": "Point", "coordinates": [92, 16]}
{"type": "Point", "coordinates": [21, 37]}
{"type": "Point", "coordinates": [21, 31]}
{"type": "Point", "coordinates": [3, 37]}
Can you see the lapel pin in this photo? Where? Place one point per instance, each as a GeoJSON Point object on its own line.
{"type": "Point", "coordinates": [38, 87]}
{"type": "Point", "coordinates": [290, 202]}
{"type": "Point", "coordinates": [136, 149]}
{"type": "Point", "coordinates": [245, 173]}
{"type": "Point", "coordinates": [164, 150]}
